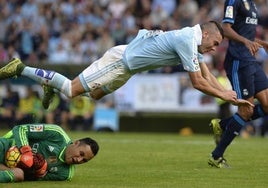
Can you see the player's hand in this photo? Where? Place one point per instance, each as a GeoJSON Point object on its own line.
{"type": "Point", "coordinates": [242, 102]}
{"type": "Point", "coordinates": [39, 166]}
{"type": "Point", "coordinates": [229, 96]}
{"type": "Point", "coordinates": [253, 47]}
{"type": "Point", "coordinates": [265, 47]}
{"type": "Point", "coordinates": [26, 159]}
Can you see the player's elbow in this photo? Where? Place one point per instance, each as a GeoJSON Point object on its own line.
{"type": "Point", "coordinates": [18, 174]}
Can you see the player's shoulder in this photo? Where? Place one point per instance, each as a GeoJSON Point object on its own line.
{"type": "Point", "coordinates": [186, 33]}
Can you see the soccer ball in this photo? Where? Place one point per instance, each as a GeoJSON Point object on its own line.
{"type": "Point", "coordinates": [12, 157]}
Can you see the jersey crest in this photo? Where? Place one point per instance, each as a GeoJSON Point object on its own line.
{"type": "Point", "coordinates": [246, 4]}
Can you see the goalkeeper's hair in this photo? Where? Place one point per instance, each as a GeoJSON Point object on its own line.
{"type": "Point", "coordinates": [92, 143]}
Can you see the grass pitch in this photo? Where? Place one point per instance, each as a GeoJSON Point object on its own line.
{"type": "Point", "coordinates": [147, 160]}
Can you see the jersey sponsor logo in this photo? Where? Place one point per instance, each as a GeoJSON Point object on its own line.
{"type": "Point", "coordinates": [229, 13]}
{"type": "Point", "coordinates": [36, 128]}
{"type": "Point", "coordinates": [252, 21]}
{"type": "Point", "coordinates": [45, 73]}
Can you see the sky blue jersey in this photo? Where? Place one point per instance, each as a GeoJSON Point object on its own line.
{"type": "Point", "coordinates": [152, 49]}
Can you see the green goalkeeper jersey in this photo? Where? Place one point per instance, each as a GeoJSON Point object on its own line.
{"type": "Point", "coordinates": [5, 175]}
{"type": "Point", "coordinates": [49, 140]}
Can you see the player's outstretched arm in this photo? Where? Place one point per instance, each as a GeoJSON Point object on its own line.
{"type": "Point", "coordinates": [212, 80]}
{"type": "Point", "coordinates": [10, 174]}
{"type": "Point", "coordinates": [201, 84]}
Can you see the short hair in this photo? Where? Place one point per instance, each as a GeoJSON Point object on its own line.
{"type": "Point", "coordinates": [92, 143]}
{"type": "Point", "coordinates": [213, 25]}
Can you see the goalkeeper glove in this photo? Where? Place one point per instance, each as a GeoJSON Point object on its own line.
{"type": "Point", "coordinates": [26, 159]}
{"type": "Point", "coordinates": [40, 165]}
{"type": "Point", "coordinates": [38, 170]}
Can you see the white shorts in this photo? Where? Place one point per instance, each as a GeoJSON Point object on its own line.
{"type": "Point", "coordinates": [108, 73]}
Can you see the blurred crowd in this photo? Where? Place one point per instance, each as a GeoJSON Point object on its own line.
{"type": "Point", "coordinates": [80, 31]}
{"type": "Point", "coordinates": [21, 108]}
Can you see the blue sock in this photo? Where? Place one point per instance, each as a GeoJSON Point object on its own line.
{"type": "Point", "coordinates": [224, 122]}
{"type": "Point", "coordinates": [50, 78]}
{"type": "Point", "coordinates": [233, 128]}
{"type": "Point", "coordinates": [257, 112]}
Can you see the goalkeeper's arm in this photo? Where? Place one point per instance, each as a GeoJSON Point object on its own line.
{"type": "Point", "coordinates": [10, 175]}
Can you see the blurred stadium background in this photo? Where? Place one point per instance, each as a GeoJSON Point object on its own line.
{"type": "Point", "coordinates": [68, 35]}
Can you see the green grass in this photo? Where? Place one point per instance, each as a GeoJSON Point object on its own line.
{"type": "Point", "coordinates": [139, 160]}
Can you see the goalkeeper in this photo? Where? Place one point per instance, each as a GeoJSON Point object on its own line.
{"type": "Point", "coordinates": [47, 153]}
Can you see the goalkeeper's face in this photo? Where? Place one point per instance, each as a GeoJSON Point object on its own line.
{"type": "Point", "coordinates": [77, 153]}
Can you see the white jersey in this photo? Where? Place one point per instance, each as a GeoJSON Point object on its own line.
{"type": "Point", "coordinates": [152, 49]}
{"type": "Point", "coordinates": [149, 50]}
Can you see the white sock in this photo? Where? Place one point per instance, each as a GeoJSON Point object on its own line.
{"type": "Point", "coordinates": [50, 78]}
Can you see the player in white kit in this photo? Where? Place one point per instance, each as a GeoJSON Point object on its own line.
{"type": "Point", "coordinates": [150, 49]}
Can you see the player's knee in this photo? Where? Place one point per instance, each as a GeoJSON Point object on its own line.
{"type": "Point", "coordinates": [246, 113]}
{"type": "Point", "coordinates": [75, 89]}
{"type": "Point", "coordinates": [97, 94]}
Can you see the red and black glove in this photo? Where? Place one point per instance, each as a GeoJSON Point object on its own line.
{"type": "Point", "coordinates": [39, 166]}
{"type": "Point", "coordinates": [38, 169]}
{"type": "Point", "coordinates": [26, 159]}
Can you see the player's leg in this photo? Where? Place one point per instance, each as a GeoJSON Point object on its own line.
{"type": "Point", "coordinates": [261, 88]}
{"type": "Point", "coordinates": [243, 83]}
{"type": "Point", "coordinates": [69, 88]}
{"type": "Point", "coordinates": [96, 80]}
{"type": "Point", "coordinates": [104, 81]}
{"type": "Point", "coordinates": [16, 68]}
{"type": "Point", "coordinates": [90, 81]}
{"type": "Point", "coordinates": [105, 75]}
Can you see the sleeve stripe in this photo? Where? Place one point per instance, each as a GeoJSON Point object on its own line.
{"type": "Point", "coordinates": [71, 172]}
{"type": "Point", "coordinates": [22, 134]}
{"type": "Point", "coordinates": [58, 129]}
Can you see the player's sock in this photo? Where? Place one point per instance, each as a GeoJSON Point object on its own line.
{"type": "Point", "coordinates": [258, 112]}
{"type": "Point", "coordinates": [50, 78]}
{"type": "Point", "coordinates": [224, 123]}
{"type": "Point", "coordinates": [232, 130]}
